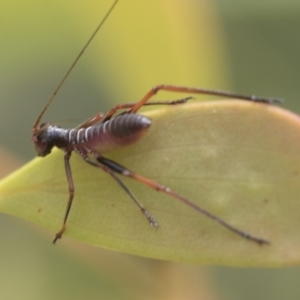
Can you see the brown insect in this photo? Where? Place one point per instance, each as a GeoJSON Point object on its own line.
{"type": "Point", "coordinates": [104, 132]}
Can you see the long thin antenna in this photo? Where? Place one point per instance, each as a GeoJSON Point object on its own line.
{"type": "Point", "coordinates": [36, 124]}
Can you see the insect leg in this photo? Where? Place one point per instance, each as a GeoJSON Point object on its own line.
{"type": "Point", "coordinates": [100, 116]}
{"type": "Point", "coordinates": [91, 121]}
{"type": "Point", "coordinates": [158, 187]}
{"type": "Point", "coordinates": [191, 90]}
{"type": "Point", "coordinates": [169, 102]}
{"type": "Point", "coordinates": [114, 109]}
{"type": "Point", "coordinates": [151, 220]}
{"type": "Point", "coordinates": [71, 196]}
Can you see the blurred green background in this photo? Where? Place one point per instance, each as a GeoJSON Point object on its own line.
{"type": "Point", "coordinates": [247, 46]}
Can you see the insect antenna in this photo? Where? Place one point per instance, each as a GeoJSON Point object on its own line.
{"type": "Point", "coordinates": [36, 124]}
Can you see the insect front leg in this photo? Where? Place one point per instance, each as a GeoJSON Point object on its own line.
{"type": "Point", "coordinates": [192, 90]}
{"type": "Point", "coordinates": [71, 196]}
{"type": "Point", "coordinates": [158, 187]}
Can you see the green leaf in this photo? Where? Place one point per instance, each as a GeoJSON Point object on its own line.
{"type": "Point", "coordinates": [237, 159]}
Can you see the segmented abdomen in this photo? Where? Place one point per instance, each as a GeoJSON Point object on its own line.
{"type": "Point", "coordinates": [117, 132]}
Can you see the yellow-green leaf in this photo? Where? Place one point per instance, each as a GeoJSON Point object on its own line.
{"type": "Point", "coordinates": [237, 159]}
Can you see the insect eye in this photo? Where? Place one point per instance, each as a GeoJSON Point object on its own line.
{"type": "Point", "coordinates": [42, 145]}
{"type": "Point", "coordinates": [40, 139]}
{"type": "Point", "coordinates": [42, 142]}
